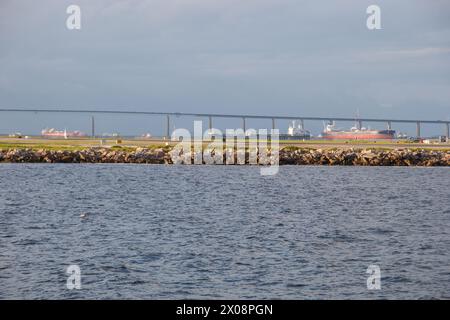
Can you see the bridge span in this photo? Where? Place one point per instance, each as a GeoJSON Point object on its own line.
{"type": "Point", "coordinates": [244, 117]}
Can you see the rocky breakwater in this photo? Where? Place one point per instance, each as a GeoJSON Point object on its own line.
{"type": "Point", "coordinates": [289, 155]}
{"type": "Point", "coordinates": [366, 157]}
{"type": "Point", "coordinates": [91, 155]}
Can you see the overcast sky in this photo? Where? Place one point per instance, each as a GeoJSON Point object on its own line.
{"type": "Point", "coordinates": [283, 57]}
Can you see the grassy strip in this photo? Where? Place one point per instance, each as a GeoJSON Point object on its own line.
{"type": "Point", "coordinates": [6, 146]}
{"type": "Point", "coordinates": [358, 147]}
{"type": "Point", "coordinates": [63, 147]}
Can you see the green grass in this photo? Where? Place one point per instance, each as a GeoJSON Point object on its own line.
{"type": "Point", "coordinates": [131, 145]}
{"type": "Point", "coordinates": [6, 146]}
{"type": "Point", "coordinates": [66, 147]}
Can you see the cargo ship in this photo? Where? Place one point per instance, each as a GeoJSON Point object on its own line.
{"type": "Point", "coordinates": [296, 131]}
{"type": "Point", "coordinates": [52, 132]}
{"type": "Point", "coordinates": [355, 133]}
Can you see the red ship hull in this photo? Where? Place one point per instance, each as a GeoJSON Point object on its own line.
{"type": "Point", "coordinates": [63, 135]}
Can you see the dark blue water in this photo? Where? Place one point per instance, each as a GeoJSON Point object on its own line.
{"type": "Point", "coordinates": [155, 231]}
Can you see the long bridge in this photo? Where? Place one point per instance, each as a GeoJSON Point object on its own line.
{"type": "Point", "coordinates": [244, 117]}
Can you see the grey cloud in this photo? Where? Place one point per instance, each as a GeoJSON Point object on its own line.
{"type": "Point", "coordinates": [223, 56]}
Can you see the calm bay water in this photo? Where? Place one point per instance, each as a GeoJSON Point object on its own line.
{"type": "Point", "coordinates": [162, 232]}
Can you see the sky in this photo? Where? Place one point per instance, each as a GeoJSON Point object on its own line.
{"type": "Point", "coordinates": [262, 57]}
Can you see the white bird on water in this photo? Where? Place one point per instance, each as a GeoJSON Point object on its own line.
{"type": "Point", "coordinates": [83, 215]}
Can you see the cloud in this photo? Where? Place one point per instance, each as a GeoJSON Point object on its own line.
{"type": "Point", "coordinates": [399, 54]}
{"type": "Point", "coordinates": [252, 56]}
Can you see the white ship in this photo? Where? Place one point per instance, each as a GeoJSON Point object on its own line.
{"type": "Point", "coordinates": [296, 131]}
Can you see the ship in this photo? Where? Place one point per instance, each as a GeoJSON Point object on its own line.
{"type": "Point", "coordinates": [146, 136]}
{"type": "Point", "coordinates": [52, 132]}
{"type": "Point", "coordinates": [402, 135]}
{"type": "Point", "coordinates": [355, 133]}
{"type": "Point", "coordinates": [296, 131]}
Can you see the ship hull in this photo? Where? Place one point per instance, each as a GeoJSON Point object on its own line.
{"type": "Point", "coordinates": [370, 135]}
{"type": "Point", "coordinates": [61, 135]}
{"type": "Point", "coordinates": [293, 137]}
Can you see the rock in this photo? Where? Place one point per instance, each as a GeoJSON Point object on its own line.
{"type": "Point", "coordinates": [368, 157]}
